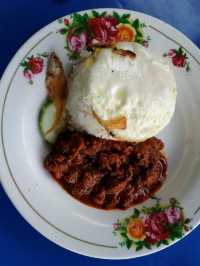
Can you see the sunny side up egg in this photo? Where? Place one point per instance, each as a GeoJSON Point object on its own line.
{"type": "Point", "coordinates": [122, 97]}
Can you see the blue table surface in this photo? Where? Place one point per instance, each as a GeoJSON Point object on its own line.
{"type": "Point", "coordinates": [20, 244]}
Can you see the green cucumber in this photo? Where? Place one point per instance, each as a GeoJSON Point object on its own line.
{"type": "Point", "coordinates": [45, 121]}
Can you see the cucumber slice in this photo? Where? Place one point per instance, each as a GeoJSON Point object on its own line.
{"type": "Point", "coordinates": [46, 118]}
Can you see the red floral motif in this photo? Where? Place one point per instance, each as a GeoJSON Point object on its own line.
{"type": "Point", "coordinates": [66, 21]}
{"type": "Point", "coordinates": [104, 29]}
{"type": "Point", "coordinates": [35, 65]}
{"type": "Point", "coordinates": [154, 227]}
{"type": "Point", "coordinates": [76, 42]}
{"type": "Point", "coordinates": [84, 31]}
{"type": "Point", "coordinates": [179, 58]}
{"type": "Point", "coordinates": [32, 66]}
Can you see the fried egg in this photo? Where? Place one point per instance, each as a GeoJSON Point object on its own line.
{"type": "Point", "coordinates": [122, 93]}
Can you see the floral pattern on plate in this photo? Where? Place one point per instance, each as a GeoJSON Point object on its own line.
{"type": "Point", "coordinates": [152, 226]}
{"type": "Point", "coordinates": [100, 29]}
{"type": "Point", "coordinates": [33, 65]}
{"type": "Point", "coordinates": [179, 58]}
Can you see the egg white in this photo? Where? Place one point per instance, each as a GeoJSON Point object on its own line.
{"type": "Point", "coordinates": [143, 89]}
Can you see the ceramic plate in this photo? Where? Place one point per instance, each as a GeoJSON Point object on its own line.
{"type": "Point", "coordinates": [160, 221]}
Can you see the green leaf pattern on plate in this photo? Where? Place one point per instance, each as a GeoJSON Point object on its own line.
{"type": "Point", "coordinates": [152, 226]}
